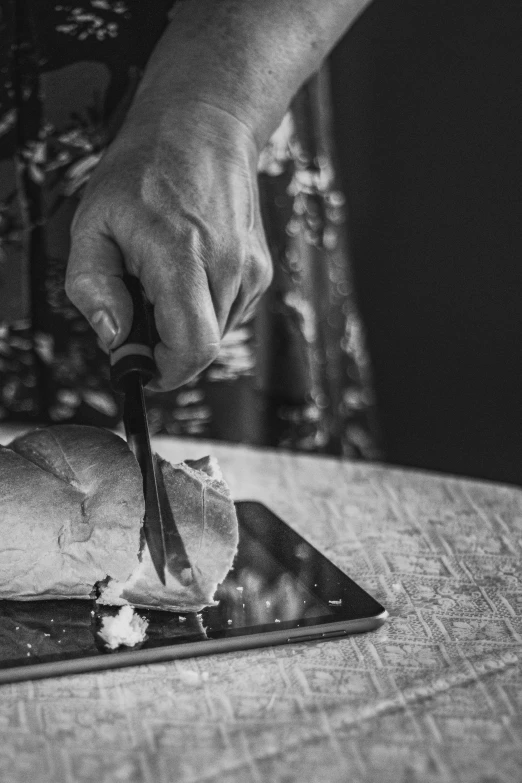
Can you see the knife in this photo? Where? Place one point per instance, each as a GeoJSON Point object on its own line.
{"type": "Point", "coordinates": [132, 366]}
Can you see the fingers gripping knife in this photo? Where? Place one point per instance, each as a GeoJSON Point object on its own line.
{"type": "Point", "coordinates": [132, 367]}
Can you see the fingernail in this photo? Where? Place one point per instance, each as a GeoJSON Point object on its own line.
{"type": "Point", "coordinates": [104, 327]}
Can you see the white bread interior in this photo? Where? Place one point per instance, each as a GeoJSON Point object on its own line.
{"type": "Point", "coordinates": [71, 517]}
{"type": "Point", "coordinates": [206, 520]}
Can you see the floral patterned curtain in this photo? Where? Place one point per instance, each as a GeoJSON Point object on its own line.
{"type": "Point", "coordinates": [296, 377]}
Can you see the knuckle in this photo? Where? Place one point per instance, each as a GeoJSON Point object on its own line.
{"type": "Point", "coordinates": [74, 285]}
{"type": "Point", "coordinates": [203, 243]}
{"type": "Point", "coordinates": [211, 352]}
{"type": "Point", "coordinates": [260, 273]}
{"type": "Point", "coordinates": [177, 368]}
{"type": "Point", "coordinates": [81, 286]}
{"type": "Point", "coordinates": [268, 274]}
{"type": "Point", "coordinates": [207, 348]}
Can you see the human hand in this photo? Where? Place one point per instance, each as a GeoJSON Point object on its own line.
{"type": "Point", "coordinates": [173, 201]}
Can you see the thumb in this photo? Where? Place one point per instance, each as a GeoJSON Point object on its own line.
{"type": "Point", "coordinates": [94, 285]}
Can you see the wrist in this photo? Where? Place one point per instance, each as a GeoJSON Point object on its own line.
{"type": "Point", "coordinates": [247, 58]}
{"type": "Point", "coordinates": [199, 102]}
{"type": "Point", "coordinates": [220, 54]}
{"type": "Point", "coordinates": [185, 121]}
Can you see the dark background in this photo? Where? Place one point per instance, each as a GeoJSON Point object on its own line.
{"type": "Point", "coordinates": [428, 124]}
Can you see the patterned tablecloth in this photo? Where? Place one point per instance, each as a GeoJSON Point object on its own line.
{"type": "Point", "coordinates": [434, 695]}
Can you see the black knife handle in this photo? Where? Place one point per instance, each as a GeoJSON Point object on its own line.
{"type": "Point", "coordinates": [136, 354]}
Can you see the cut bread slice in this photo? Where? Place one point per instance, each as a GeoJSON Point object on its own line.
{"type": "Point", "coordinates": [205, 517]}
{"type": "Point", "coordinates": [71, 519]}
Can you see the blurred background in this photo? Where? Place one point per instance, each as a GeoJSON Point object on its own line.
{"type": "Point", "coordinates": [391, 202]}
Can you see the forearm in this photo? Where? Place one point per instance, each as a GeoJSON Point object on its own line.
{"type": "Point", "coordinates": [247, 57]}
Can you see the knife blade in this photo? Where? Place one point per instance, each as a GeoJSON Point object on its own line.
{"type": "Point", "coordinates": [132, 367]}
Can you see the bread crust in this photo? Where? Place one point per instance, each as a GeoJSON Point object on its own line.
{"type": "Point", "coordinates": [71, 516]}
{"type": "Point", "coordinates": [71, 512]}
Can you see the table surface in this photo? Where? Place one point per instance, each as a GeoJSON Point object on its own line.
{"type": "Point", "coordinates": [434, 695]}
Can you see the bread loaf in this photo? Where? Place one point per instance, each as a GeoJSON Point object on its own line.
{"type": "Point", "coordinates": [71, 522]}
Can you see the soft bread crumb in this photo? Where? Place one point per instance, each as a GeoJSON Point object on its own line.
{"type": "Point", "coordinates": [207, 523]}
{"type": "Point", "coordinates": [208, 465]}
{"type": "Point", "coordinates": [126, 628]}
